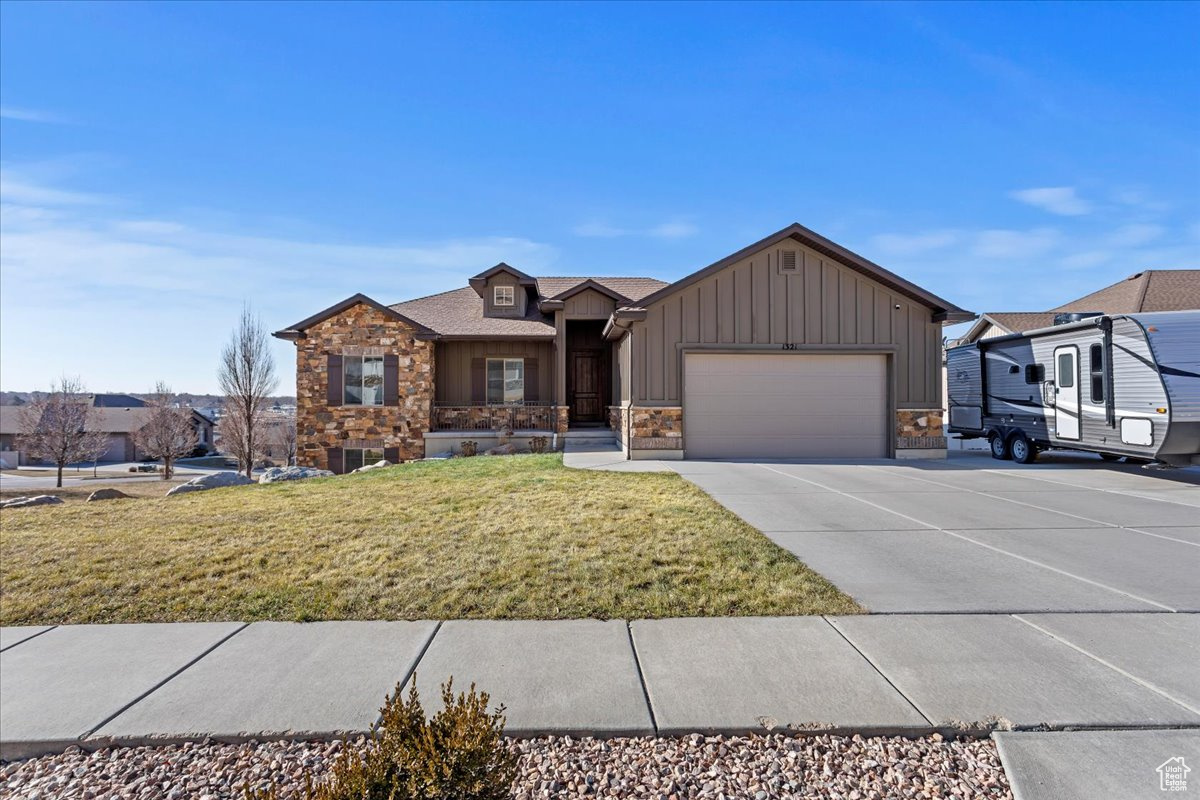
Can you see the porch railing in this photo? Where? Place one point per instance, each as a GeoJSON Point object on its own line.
{"type": "Point", "coordinates": [526, 417]}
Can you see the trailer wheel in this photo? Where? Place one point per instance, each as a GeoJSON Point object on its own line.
{"type": "Point", "coordinates": [1110, 457]}
{"type": "Point", "coordinates": [999, 446]}
{"type": "Point", "coordinates": [1023, 451]}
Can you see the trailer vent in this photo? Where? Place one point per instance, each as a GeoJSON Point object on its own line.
{"type": "Point", "coordinates": [1075, 316]}
{"type": "Point", "coordinates": [788, 261]}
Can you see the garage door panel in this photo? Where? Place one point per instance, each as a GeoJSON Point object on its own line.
{"type": "Point", "coordinates": [749, 405]}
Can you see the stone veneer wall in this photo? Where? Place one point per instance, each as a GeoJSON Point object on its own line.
{"type": "Point", "coordinates": [361, 330]}
{"type": "Point", "coordinates": [618, 422]}
{"type": "Point", "coordinates": [919, 429]}
{"type": "Point", "coordinates": [564, 418]}
{"type": "Point", "coordinates": [656, 428]}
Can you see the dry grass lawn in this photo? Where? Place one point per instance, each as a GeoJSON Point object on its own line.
{"type": "Point", "coordinates": [519, 537]}
{"type": "Point", "coordinates": [80, 492]}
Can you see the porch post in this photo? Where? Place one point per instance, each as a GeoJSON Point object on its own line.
{"type": "Point", "coordinates": [560, 358]}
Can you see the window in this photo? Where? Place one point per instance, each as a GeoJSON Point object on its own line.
{"type": "Point", "coordinates": [1035, 373]}
{"type": "Point", "coordinates": [503, 296]}
{"type": "Point", "coordinates": [363, 381]}
{"type": "Point", "coordinates": [355, 457]}
{"type": "Point", "coordinates": [505, 381]}
{"type": "Point", "coordinates": [1066, 370]}
{"type": "Point", "coordinates": [1096, 369]}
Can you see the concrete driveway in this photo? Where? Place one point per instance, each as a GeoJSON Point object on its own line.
{"type": "Point", "coordinates": [975, 535]}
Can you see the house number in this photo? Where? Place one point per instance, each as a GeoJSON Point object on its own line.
{"type": "Point", "coordinates": [789, 346]}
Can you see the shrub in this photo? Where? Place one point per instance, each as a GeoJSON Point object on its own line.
{"type": "Point", "coordinates": [459, 754]}
{"type": "Point", "coordinates": [469, 448]}
{"type": "Point", "coordinates": [538, 444]}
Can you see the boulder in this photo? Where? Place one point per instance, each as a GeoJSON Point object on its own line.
{"type": "Point", "coordinates": [213, 480]}
{"type": "Point", "coordinates": [38, 500]}
{"type": "Point", "coordinates": [502, 450]}
{"type": "Point", "coordinates": [277, 474]}
{"type": "Point", "coordinates": [369, 467]}
{"type": "Point", "coordinates": [107, 494]}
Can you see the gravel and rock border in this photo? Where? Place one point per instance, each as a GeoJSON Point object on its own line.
{"type": "Point", "coordinates": [719, 767]}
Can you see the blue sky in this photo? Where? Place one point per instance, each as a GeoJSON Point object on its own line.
{"type": "Point", "coordinates": [162, 163]}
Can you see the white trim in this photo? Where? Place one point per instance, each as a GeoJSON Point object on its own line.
{"type": "Point", "coordinates": [510, 291]}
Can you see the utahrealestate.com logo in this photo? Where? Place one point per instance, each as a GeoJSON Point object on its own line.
{"type": "Point", "coordinates": [1172, 775]}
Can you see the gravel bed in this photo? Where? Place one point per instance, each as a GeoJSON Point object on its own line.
{"type": "Point", "coordinates": [756, 767]}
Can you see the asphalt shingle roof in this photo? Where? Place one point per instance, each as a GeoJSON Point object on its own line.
{"type": "Point", "coordinates": [460, 312]}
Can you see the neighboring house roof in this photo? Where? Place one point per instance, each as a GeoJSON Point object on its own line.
{"type": "Point", "coordinates": [1148, 290]}
{"type": "Point", "coordinates": [10, 419]}
{"type": "Point", "coordinates": [108, 419]}
{"type": "Point", "coordinates": [942, 309]}
{"type": "Point", "coordinates": [116, 401]}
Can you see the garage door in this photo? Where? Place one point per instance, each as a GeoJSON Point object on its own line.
{"type": "Point", "coordinates": [116, 449]}
{"type": "Point", "coordinates": [785, 405]}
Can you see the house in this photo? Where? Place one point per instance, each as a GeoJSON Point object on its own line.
{"type": "Point", "coordinates": [1148, 290]}
{"type": "Point", "coordinates": [120, 416]}
{"type": "Point", "coordinates": [791, 347]}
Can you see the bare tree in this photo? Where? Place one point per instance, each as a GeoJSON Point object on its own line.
{"type": "Point", "coordinates": [247, 378]}
{"type": "Point", "coordinates": [60, 427]}
{"type": "Point", "coordinates": [168, 433]}
{"type": "Point", "coordinates": [287, 438]}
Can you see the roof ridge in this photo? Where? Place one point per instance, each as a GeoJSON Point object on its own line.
{"type": "Point", "coordinates": [1141, 298]}
{"type": "Point", "coordinates": [427, 296]}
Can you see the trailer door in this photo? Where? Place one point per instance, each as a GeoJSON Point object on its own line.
{"type": "Point", "coordinates": [1066, 392]}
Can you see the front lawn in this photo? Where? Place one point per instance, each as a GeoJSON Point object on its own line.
{"type": "Point", "coordinates": [516, 537]}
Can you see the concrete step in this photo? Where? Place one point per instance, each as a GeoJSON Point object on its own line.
{"type": "Point", "coordinates": [590, 434]}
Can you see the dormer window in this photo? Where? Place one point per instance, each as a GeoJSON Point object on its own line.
{"type": "Point", "coordinates": [503, 296]}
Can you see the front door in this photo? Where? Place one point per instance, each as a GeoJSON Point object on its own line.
{"type": "Point", "coordinates": [584, 389]}
{"type": "Point", "coordinates": [1066, 392]}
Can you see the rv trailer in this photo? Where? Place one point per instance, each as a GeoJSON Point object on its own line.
{"type": "Point", "coordinates": [1118, 385]}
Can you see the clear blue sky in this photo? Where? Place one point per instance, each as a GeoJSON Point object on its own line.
{"type": "Point", "coordinates": [162, 163]}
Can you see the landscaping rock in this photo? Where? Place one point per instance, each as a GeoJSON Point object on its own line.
{"type": "Point", "coordinates": [502, 450]}
{"type": "Point", "coordinates": [107, 494]}
{"type": "Point", "coordinates": [277, 474]}
{"type": "Point", "coordinates": [369, 467]}
{"type": "Point", "coordinates": [214, 480]}
{"type": "Point", "coordinates": [38, 500]}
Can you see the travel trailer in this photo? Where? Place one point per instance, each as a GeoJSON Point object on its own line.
{"type": "Point", "coordinates": [1122, 385]}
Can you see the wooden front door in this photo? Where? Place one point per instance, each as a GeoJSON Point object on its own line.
{"type": "Point", "coordinates": [585, 386]}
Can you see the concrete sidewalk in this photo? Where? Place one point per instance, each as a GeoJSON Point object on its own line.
{"type": "Point", "coordinates": [901, 674]}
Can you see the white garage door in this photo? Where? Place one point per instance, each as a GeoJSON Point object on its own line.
{"type": "Point", "coordinates": [785, 405]}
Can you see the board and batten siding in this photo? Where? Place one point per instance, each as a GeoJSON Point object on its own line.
{"type": "Point", "coordinates": [751, 302]}
{"type": "Point", "coordinates": [588, 304]}
{"type": "Point", "coordinates": [453, 366]}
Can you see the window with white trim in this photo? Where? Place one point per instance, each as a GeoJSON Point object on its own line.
{"type": "Point", "coordinates": [505, 381]}
{"type": "Point", "coordinates": [362, 378]}
{"type": "Point", "coordinates": [355, 457]}
{"type": "Point", "coordinates": [503, 296]}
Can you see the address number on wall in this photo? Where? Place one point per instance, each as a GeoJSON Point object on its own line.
{"type": "Point", "coordinates": [790, 346]}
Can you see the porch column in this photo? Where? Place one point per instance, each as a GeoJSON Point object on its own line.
{"type": "Point", "coordinates": [560, 358]}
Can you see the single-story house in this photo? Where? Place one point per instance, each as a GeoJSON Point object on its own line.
{"type": "Point", "coordinates": [120, 416]}
{"type": "Point", "coordinates": [791, 347]}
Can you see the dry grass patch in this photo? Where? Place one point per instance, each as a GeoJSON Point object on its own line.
{"type": "Point", "coordinates": [80, 492]}
{"type": "Point", "coordinates": [519, 537]}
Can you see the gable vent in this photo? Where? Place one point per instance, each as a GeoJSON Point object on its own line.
{"type": "Point", "coordinates": [787, 262]}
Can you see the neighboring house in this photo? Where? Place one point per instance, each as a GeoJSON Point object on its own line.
{"type": "Point", "coordinates": [793, 346]}
{"type": "Point", "coordinates": [120, 422]}
{"type": "Point", "coordinates": [1149, 290]}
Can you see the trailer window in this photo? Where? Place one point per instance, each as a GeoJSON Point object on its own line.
{"type": "Point", "coordinates": [1096, 369]}
{"type": "Point", "coordinates": [1035, 373]}
{"type": "Point", "coordinates": [1066, 371]}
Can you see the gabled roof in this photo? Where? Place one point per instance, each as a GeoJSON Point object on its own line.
{"type": "Point", "coordinates": [942, 309]}
{"type": "Point", "coordinates": [479, 281]}
{"type": "Point", "coordinates": [296, 331]}
{"type": "Point", "coordinates": [1148, 290]}
{"type": "Point", "coordinates": [459, 314]}
{"type": "Point", "coordinates": [630, 289]}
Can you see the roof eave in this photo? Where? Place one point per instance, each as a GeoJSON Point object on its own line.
{"type": "Point", "coordinates": [297, 331]}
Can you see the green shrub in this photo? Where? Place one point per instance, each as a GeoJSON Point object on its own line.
{"type": "Point", "coordinates": [459, 754]}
